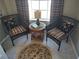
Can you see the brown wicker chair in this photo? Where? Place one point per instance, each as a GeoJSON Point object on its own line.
{"type": "Point", "coordinates": [13, 26]}
{"type": "Point", "coordinates": [60, 29]}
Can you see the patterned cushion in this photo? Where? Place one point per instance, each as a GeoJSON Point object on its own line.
{"type": "Point", "coordinates": [56, 33]}
{"type": "Point", "coordinates": [17, 30]}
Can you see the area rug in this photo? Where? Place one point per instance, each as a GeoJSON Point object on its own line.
{"type": "Point", "coordinates": [35, 51]}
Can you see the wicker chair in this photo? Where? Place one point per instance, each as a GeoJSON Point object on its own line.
{"type": "Point", "coordinates": [13, 26]}
{"type": "Point", "coordinates": [60, 29]}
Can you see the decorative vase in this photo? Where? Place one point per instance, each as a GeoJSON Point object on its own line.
{"type": "Point", "coordinates": [38, 22]}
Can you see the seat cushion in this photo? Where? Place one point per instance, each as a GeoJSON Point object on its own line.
{"type": "Point", "coordinates": [17, 30]}
{"type": "Point", "coordinates": [56, 33]}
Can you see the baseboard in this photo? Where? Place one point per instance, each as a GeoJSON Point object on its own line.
{"type": "Point", "coordinates": [4, 39]}
{"type": "Point", "coordinates": [73, 46]}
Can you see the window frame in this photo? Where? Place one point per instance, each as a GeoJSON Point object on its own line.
{"type": "Point", "coordinates": [48, 10]}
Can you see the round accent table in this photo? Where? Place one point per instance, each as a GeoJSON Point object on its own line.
{"type": "Point", "coordinates": [37, 32]}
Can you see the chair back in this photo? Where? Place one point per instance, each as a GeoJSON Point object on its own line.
{"type": "Point", "coordinates": [10, 21]}
{"type": "Point", "coordinates": [57, 21]}
{"type": "Point", "coordinates": [67, 24]}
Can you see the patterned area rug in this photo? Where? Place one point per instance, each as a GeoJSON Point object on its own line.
{"type": "Point", "coordinates": [35, 51]}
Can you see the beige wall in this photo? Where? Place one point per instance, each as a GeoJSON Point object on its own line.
{"type": "Point", "coordinates": [4, 12]}
{"type": "Point", "coordinates": [8, 7]}
{"type": "Point", "coordinates": [3, 8]}
{"type": "Point", "coordinates": [78, 12]}
{"type": "Point", "coordinates": [11, 6]}
{"type": "Point", "coordinates": [71, 8]}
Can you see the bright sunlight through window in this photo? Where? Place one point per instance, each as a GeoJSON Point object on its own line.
{"type": "Point", "coordinates": [43, 5]}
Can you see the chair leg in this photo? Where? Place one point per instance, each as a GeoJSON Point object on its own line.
{"type": "Point", "coordinates": [12, 42]}
{"type": "Point", "coordinates": [59, 46]}
{"type": "Point", "coordinates": [46, 39]}
{"type": "Point", "coordinates": [27, 36]}
{"type": "Point", "coordinates": [67, 39]}
{"type": "Point", "coordinates": [4, 49]}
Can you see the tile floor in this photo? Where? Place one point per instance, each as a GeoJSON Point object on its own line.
{"type": "Point", "coordinates": [66, 51]}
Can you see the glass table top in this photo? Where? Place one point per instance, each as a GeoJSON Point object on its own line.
{"type": "Point", "coordinates": [35, 26]}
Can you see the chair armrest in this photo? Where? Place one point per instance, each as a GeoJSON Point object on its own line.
{"type": "Point", "coordinates": [25, 25]}
{"type": "Point", "coordinates": [5, 28]}
{"type": "Point", "coordinates": [56, 22]}
{"type": "Point", "coordinates": [50, 26]}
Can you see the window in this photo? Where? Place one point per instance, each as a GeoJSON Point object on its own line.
{"type": "Point", "coordinates": [43, 5]}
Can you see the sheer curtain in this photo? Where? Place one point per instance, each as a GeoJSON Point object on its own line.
{"type": "Point", "coordinates": [56, 9]}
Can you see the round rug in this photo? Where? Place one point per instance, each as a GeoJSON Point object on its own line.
{"type": "Point", "coordinates": [35, 51]}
